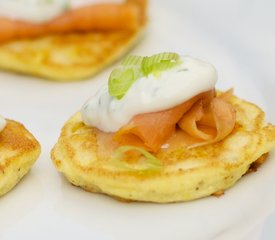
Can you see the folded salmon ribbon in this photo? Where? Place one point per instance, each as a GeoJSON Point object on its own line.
{"type": "Point", "coordinates": [206, 117]}
{"type": "Point", "coordinates": [103, 16]}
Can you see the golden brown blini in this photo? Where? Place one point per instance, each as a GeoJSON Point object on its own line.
{"type": "Point", "coordinates": [71, 56]}
{"type": "Point", "coordinates": [18, 152]}
{"type": "Point", "coordinates": [84, 157]}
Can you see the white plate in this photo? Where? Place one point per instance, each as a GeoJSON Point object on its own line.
{"type": "Point", "coordinates": [238, 38]}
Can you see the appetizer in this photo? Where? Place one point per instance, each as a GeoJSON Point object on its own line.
{"type": "Point", "coordinates": [67, 40]}
{"type": "Point", "coordinates": [159, 131]}
{"type": "Point", "coordinates": [18, 152]}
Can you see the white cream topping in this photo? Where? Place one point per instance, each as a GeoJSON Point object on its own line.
{"type": "Point", "coordinates": [81, 3]}
{"type": "Point", "coordinates": [149, 94]}
{"type": "Point", "coordinates": [35, 11]}
{"type": "Point", "coordinates": [39, 11]}
{"type": "Point", "coordinates": [3, 123]}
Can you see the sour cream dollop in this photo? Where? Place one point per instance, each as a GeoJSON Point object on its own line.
{"type": "Point", "coordinates": [39, 11]}
{"type": "Point", "coordinates": [149, 94]}
{"type": "Point", "coordinates": [2, 123]}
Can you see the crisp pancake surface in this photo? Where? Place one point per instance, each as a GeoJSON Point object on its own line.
{"type": "Point", "coordinates": [18, 152]}
{"type": "Point", "coordinates": [67, 57]}
{"type": "Point", "coordinates": [83, 156]}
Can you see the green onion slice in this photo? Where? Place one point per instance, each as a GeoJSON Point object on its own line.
{"type": "Point", "coordinates": [160, 62]}
{"type": "Point", "coordinates": [132, 60]}
{"type": "Point", "coordinates": [120, 81]}
{"type": "Point", "coordinates": [151, 163]}
{"type": "Point", "coordinates": [135, 67]}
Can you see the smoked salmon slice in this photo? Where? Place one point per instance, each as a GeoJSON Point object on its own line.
{"type": "Point", "coordinates": [205, 117]}
{"type": "Point", "coordinates": [211, 123]}
{"type": "Point", "coordinates": [106, 16]}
